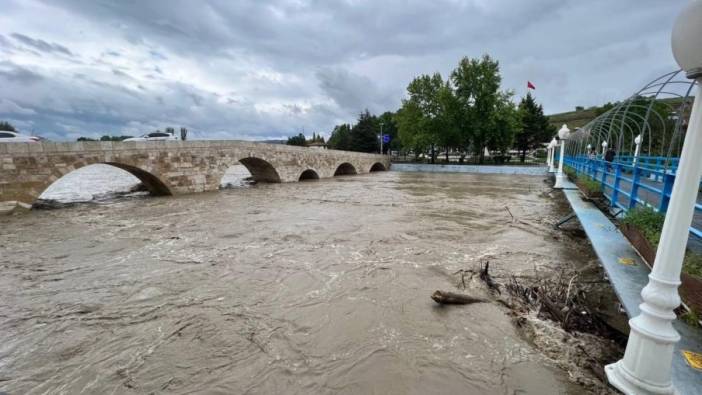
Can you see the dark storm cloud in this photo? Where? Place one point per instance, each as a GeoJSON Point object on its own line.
{"type": "Point", "coordinates": [255, 69]}
{"type": "Point", "coordinates": [353, 92]}
{"type": "Point", "coordinates": [41, 45]}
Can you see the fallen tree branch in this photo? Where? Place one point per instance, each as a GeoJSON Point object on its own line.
{"type": "Point", "coordinates": [443, 297]}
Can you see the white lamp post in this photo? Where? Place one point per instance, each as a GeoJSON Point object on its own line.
{"type": "Point", "coordinates": [604, 148]}
{"type": "Point", "coordinates": [637, 141]}
{"type": "Point", "coordinates": [552, 168]}
{"type": "Point", "coordinates": [560, 177]}
{"type": "Point", "coordinates": [646, 366]}
{"type": "Point", "coordinates": [589, 149]}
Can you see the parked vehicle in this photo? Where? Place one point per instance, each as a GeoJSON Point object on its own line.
{"type": "Point", "coordinates": [154, 136]}
{"type": "Point", "coordinates": [14, 137]}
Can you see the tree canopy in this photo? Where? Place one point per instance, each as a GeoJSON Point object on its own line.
{"type": "Point", "coordinates": [299, 140]}
{"type": "Point", "coordinates": [4, 125]}
{"type": "Point", "coordinates": [361, 137]}
{"type": "Point", "coordinates": [534, 128]}
{"type": "Point", "coordinates": [466, 112]}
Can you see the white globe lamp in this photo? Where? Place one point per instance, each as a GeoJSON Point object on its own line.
{"type": "Point", "coordinates": [563, 134]}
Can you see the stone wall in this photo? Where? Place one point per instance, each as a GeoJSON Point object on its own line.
{"type": "Point", "coordinates": [168, 167]}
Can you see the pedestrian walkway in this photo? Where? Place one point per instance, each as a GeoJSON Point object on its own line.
{"type": "Point", "coordinates": [628, 274]}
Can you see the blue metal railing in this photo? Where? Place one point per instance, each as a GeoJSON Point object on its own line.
{"type": "Point", "coordinates": [649, 183]}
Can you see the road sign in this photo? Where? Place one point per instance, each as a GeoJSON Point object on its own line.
{"type": "Point", "coordinates": [386, 138]}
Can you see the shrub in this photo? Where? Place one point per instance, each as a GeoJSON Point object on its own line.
{"type": "Point", "coordinates": [590, 185]}
{"type": "Point", "coordinates": [570, 172]}
{"type": "Point", "coordinates": [693, 264]}
{"type": "Point", "coordinates": [648, 221]}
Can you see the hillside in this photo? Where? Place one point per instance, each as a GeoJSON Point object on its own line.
{"type": "Point", "coordinates": [580, 117]}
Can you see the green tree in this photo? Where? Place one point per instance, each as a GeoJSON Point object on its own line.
{"type": "Point", "coordinates": [424, 120]}
{"type": "Point", "coordinates": [390, 128]}
{"type": "Point", "coordinates": [409, 121]}
{"type": "Point", "coordinates": [535, 128]}
{"type": "Point", "coordinates": [4, 125]}
{"type": "Point", "coordinates": [448, 120]}
{"type": "Point", "coordinates": [299, 140]}
{"type": "Point", "coordinates": [364, 134]}
{"type": "Point", "coordinates": [507, 123]}
{"type": "Point", "coordinates": [340, 137]}
{"type": "Point", "coordinates": [477, 84]}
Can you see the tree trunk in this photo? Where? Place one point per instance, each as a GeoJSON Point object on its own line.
{"type": "Point", "coordinates": [523, 156]}
{"type": "Point", "coordinates": [433, 154]}
{"type": "Point", "coordinates": [447, 156]}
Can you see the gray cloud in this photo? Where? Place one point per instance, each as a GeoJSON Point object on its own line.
{"type": "Point", "coordinates": [41, 45]}
{"type": "Point", "coordinates": [252, 69]}
{"type": "Point", "coordinates": [11, 72]}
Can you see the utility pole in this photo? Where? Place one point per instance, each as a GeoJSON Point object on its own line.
{"type": "Point", "coordinates": [381, 138]}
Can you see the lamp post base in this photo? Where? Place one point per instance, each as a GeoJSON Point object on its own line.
{"type": "Point", "coordinates": [621, 379]}
{"type": "Point", "coordinates": [560, 179]}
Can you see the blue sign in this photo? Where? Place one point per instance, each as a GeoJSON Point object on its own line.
{"type": "Point", "coordinates": [386, 138]}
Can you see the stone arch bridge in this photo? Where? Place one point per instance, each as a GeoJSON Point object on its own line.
{"type": "Point", "coordinates": [172, 167]}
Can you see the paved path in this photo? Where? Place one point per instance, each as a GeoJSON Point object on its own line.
{"type": "Point", "coordinates": [628, 275]}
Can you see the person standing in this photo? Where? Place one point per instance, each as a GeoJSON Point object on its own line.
{"type": "Point", "coordinates": [609, 158]}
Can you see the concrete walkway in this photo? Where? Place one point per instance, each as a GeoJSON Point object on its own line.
{"type": "Point", "coordinates": [628, 274]}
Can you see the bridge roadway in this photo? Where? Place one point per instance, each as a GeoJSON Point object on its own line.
{"type": "Point", "coordinates": [172, 167]}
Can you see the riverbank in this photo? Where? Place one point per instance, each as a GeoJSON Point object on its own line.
{"type": "Point", "coordinates": [481, 169]}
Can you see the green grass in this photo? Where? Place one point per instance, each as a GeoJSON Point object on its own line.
{"type": "Point", "coordinates": [693, 264]}
{"type": "Point", "coordinates": [591, 185]}
{"type": "Point", "coordinates": [570, 172]}
{"type": "Point", "coordinates": [650, 223]}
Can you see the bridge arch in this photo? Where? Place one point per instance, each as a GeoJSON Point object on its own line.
{"type": "Point", "coordinates": [155, 186]}
{"type": "Point", "coordinates": [345, 168]}
{"type": "Point", "coordinates": [151, 182]}
{"type": "Point", "coordinates": [377, 166]}
{"type": "Point", "coordinates": [308, 175]}
{"type": "Point", "coordinates": [261, 170]}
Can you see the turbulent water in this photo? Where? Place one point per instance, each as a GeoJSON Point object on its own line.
{"type": "Point", "coordinates": [300, 288]}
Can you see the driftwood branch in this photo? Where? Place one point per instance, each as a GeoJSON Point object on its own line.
{"type": "Point", "coordinates": [485, 276]}
{"type": "Point", "coordinates": [443, 297]}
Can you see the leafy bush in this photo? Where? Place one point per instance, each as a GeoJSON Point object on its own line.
{"type": "Point", "coordinates": [570, 172]}
{"type": "Point", "coordinates": [590, 185]}
{"type": "Point", "coordinates": [693, 264]}
{"type": "Point", "coordinates": [648, 221]}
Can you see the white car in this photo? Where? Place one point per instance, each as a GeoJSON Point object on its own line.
{"type": "Point", "coordinates": [13, 137]}
{"type": "Point", "coordinates": [154, 136]}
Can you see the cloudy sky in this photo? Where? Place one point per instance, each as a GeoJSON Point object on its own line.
{"type": "Point", "coordinates": [267, 69]}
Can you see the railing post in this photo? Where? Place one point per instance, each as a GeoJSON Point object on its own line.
{"type": "Point", "coordinates": [615, 189]}
{"type": "Point", "coordinates": [635, 179]}
{"type": "Point", "coordinates": [603, 179]}
{"type": "Point", "coordinates": [668, 181]}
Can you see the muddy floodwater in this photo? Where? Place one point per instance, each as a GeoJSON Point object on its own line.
{"type": "Point", "coordinates": [301, 288]}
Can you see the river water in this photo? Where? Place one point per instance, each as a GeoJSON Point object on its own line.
{"type": "Point", "coordinates": [299, 288]}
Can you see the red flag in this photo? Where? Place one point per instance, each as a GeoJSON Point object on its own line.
{"type": "Point", "coordinates": [530, 85]}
